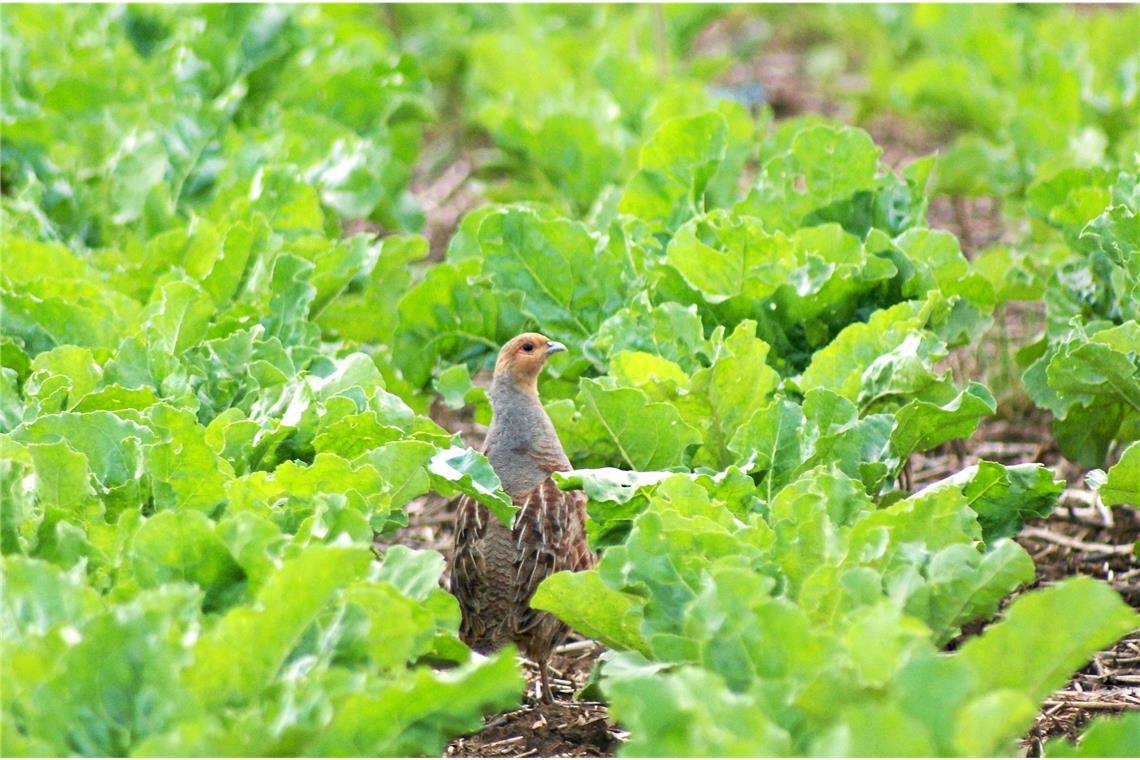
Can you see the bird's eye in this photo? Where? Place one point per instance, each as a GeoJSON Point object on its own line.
{"type": "Point", "coordinates": [528, 347]}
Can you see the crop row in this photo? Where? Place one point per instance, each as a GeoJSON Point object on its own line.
{"type": "Point", "coordinates": [213, 401]}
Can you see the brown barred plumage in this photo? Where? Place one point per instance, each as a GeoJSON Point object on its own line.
{"type": "Point", "coordinates": [496, 569]}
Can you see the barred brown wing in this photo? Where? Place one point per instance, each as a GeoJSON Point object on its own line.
{"type": "Point", "coordinates": [495, 571]}
{"type": "Point", "coordinates": [549, 536]}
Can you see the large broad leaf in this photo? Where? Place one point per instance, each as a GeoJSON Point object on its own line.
{"type": "Point", "coordinates": [728, 393]}
{"type": "Point", "coordinates": [185, 472]}
{"type": "Point", "coordinates": [557, 266]}
{"type": "Point", "coordinates": [119, 682]}
{"type": "Point", "coordinates": [403, 466]}
{"type": "Point", "coordinates": [610, 483]}
{"type": "Point", "coordinates": [464, 470]}
{"type": "Point", "coordinates": [965, 586]}
{"type": "Point", "coordinates": [841, 366]}
{"type": "Point", "coordinates": [688, 712]}
{"type": "Point", "coordinates": [451, 315]}
{"type": "Point", "coordinates": [178, 317]}
{"type": "Point", "coordinates": [293, 495]}
{"type": "Point", "coordinates": [937, 263]}
{"type": "Point", "coordinates": [1027, 652]}
{"type": "Point", "coordinates": [1122, 483]}
{"type": "Point", "coordinates": [1080, 372]}
{"type": "Point", "coordinates": [771, 441]}
{"type": "Point", "coordinates": [291, 294]}
{"type": "Point", "coordinates": [40, 597]}
{"type": "Point", "coordinates": [62, 477]}
{"type": "Point", "coordinates": [882, 730]}
{"type": "Point", "coordinates": [183, 546]}
{"type": "Point", "coordinates": [668, 330]}
{"type": "Point", "coordinates": [674, 168]}
{"type": "Point", "coordinates": [414, 716]}
{"type": "Point", "coordinates": [1005, 497]}
{"type": "Point", "coordinates": [61, 377]}
{"type": "Point", "coordinates": [1090, 381]}
{"type": "Point", "coordinates": [920, 425]}
{"type": "Point", "coordinates": [835, 435]}
{"type": "Point", "coordinates": [593, 609]}
{"type": "Point", "coordinates": [622, 425]}
{"type": "Point", "coordinates": [111, 444]}
{"type": "Point", "coordinates": [1116, 736]}
{"type": "Point", "coordinates": [721, 256]}
{"type": "Point", "coordinates": [240, 656]}
{"type": "Point", "coordinates": [826, 174]}
{"type": "Point", "coordinates": [71, 307]}
{"type": "Point", "coordinates": [367, 310]}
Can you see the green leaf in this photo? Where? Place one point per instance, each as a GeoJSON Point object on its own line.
{"type": "Point", "coordinates": [290, 296]}
{"type": "Point", "coordinates": [1115, 736]}
{"type": "Point", "coordinates": [556, 265]}
{"type": "Point", "coordinates": [729, 392]}
{"type": "Point", "coordinates": [609, 483]}
{"type": "Point", "coordinates": [178, 317]}
{"type": "Point", "coordinates": [965, 586]}
{"type": "Point", "coordinates": [772, 441]}
{"type": "Point", "coordinates": [39, 597]}
{"type": "Point", "coordinates": [287, 494]}
{"type": "Point", "coordinates": [828, 170]}
{"type": "Point", "coordinates": [403, 467]}
{"type": "Point", "coordinates": [454, 384]}
{"type": "Point", "coordinates": [61, 377]}
{"type": "Point", "coordinates": [986, 726]}
{"type": "Point", "coordinates": [62, 477]}
{"type": "Point", "coordinates": [463, 470]}
{"type": "Point", "coordinates": [241, 655]}
{"type": "Point", "coordinates": [366, 311]}
{"type": "Point", "coordinates": [1046, 655]}
{"type": "Point", "coordinates": [841, 365]}
{"type": "Point", "coordinates": [111, 444]}
{"type": "Point", "coordinates": [938, 263]}
{"type": "Point", "coordinates": [875, 731]}
{"type": "Point", "coordinates": [449, 315]}
{"type": "Point", "coordinates": [1080, 372]}
{"type": "Point", "coordinates": [1005, 497]}
{"type": "Point", "coordinates": [185, 472]}
{"type": "Point", "coordinates": [182, 546]}
{"type": "Point", "coordinates": [835, 162]}
{"type": "Point", "coordinates": [722, 256]}
{"type": "Point", "coordinates": [593, 609]}
{"type": "Point", "coordinates": [622, 425]}
{"type": "Point", "coordinates": [1122, 485]}
{"type": "Point", "coordinates": [689, 712]}
{"type": "Point", "coordinates": [243, 242]}
{"type": "Point", "coordinates": [668, 330]}
{"type": "Point", "coordinates": [674, 168]}
{"type": "Point", "coordinates": [120, 682]}
{"type": "Point", "coordinates": [921, 425]}
{"type": "Point", "coordinates": [415, 574]}
{"type": "Point", "coordinates": [418, 713]}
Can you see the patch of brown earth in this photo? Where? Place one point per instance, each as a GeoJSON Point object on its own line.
{"type": "Point", "coordinates": [565, 728]}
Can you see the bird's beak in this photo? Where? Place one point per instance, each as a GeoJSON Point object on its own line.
{"type": "Point", "coordinates": [554, 347]}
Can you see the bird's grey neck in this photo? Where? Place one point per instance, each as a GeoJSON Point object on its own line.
{"type": "Point", "coordinates": [520, 431]}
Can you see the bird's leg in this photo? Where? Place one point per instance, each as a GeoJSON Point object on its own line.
{"type": "Point", "coordinates": [544, 694]}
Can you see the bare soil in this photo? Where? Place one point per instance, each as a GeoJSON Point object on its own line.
{"type": "Point", "coordinates": [564, 728]}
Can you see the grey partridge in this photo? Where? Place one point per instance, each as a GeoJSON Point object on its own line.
{"type": "Point", "coordinates": [495, 569]}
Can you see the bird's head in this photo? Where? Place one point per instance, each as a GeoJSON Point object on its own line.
{"type": "Point", "coordinates": [522, 357]}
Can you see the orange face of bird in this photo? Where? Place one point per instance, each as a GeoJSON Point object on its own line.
{"type": "Point", "coordinates": [523, 356]}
